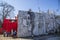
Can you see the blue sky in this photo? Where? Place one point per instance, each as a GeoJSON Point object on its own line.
{"type": "Point", "coordinates": [33, 4]}
{"type": "Point", "coordinates": [59, 3]}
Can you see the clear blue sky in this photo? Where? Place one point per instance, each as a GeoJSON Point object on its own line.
{"type": "Point", "coordinates": [59, 3]}
{"type": "Point", "coordinates": [33, 4]}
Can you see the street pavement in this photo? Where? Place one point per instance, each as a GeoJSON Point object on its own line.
{"type": "Point", "coordinates": [46, 37]}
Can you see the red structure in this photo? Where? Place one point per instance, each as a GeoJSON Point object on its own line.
{"type": "Point", "coordinates": [1, 30]}
{"type": "Point", "coordinates": [9, 24]}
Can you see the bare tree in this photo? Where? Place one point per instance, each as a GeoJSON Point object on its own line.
{"type": "Point", "coordinates": [6, 10]}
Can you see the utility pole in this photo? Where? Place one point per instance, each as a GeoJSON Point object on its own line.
{"type": "Point", "coordinates": [38, 6]}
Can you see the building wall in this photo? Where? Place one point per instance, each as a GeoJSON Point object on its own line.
{"type": "Point", "coordinates": [34, 23]}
